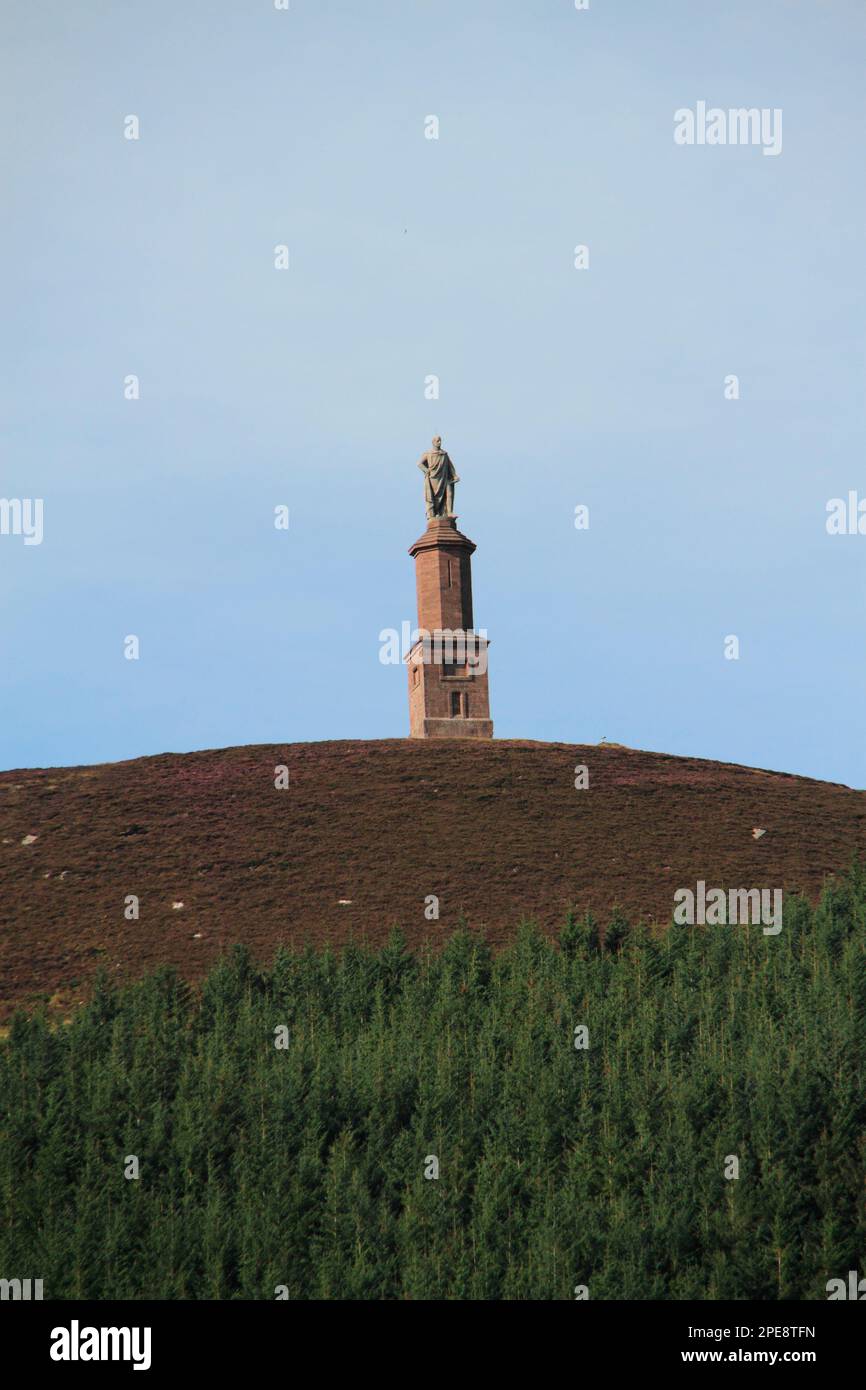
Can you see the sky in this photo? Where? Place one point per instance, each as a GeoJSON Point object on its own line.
{"type": "Point", "coordinates": [410, 257]}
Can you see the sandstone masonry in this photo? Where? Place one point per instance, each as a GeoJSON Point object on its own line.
{"type": "Point", "coordinates": [448, 690]}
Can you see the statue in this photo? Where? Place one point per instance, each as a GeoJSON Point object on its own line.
{"type": "Point", "coordinates": [439, 480]}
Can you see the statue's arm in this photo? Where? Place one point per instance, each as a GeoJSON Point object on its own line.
{"type": "Point", "coordinates": [422, 463]}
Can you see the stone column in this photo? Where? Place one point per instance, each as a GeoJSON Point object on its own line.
{"type": "Point", "coordinates": [448, 689]}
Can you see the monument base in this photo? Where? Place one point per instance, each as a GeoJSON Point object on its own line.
{"type": "Point", "coordinates": [455, 728]}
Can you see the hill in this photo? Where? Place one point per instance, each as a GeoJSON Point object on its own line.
{"type": "Point", "coordinates": [365, 832]}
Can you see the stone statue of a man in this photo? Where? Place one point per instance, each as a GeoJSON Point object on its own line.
{"type": "Point", "coordinates": [439, 480]}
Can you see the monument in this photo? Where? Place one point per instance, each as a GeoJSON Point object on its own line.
{"type": "Point", "coordinates": [447, 664]}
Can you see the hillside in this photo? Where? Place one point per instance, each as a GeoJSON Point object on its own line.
{"type": "Point", "coordinates": [365, 831]}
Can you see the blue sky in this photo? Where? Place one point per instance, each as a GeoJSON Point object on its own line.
{"type": "Point", "coordinates": [411, 257]}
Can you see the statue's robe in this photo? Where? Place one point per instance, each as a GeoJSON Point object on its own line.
{"type": "Point", "coordinates": [439, 477]}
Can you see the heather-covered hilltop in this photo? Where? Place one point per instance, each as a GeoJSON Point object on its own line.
{"type": "Point", "coordinates": [365, 834]}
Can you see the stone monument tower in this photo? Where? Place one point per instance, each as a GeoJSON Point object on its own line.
{"type": "Point", "coordinates": [448, 692]}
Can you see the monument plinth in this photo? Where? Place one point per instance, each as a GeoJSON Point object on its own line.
{"type": "Point", "coordinates": [447, 665]}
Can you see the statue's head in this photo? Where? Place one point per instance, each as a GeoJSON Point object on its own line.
{"type": "Point", "coordinates": [437, 440]}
